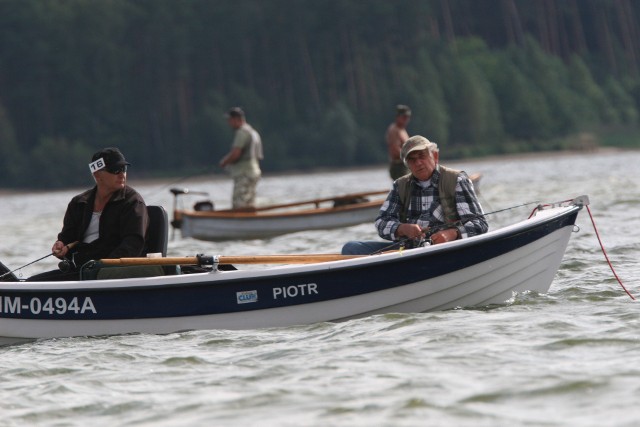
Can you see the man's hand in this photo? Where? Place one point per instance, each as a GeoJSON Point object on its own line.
{"type": "Point", "coordinates": [411, 231]}
{"type": "Point", "coordinates": [59, 249]}
{"type": "Point", "coordinates": [233, 156]}
{"type": "Point", "coordinates": [444, 236]}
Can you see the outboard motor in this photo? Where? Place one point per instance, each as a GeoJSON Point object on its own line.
{"type": "Point", "coordinates": [177, 192]}
{"type": "Point", "coordinates": [204, 206]}
{"type": "Point", "coordinates": [346, 201]}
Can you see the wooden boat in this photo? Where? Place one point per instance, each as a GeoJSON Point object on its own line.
{"type": "Point", "coordinates": [477, 271]}
{"type": "Point", "coordinates": [204, 223]}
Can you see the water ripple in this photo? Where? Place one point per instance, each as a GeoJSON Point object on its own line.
{"type": "Point", "coordinates": [565, 358]}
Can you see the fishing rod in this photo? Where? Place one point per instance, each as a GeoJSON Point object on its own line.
{"type": "Point", "coordinates": [431, 230]}
{"type": "Point", "coordinates": [69, 246]}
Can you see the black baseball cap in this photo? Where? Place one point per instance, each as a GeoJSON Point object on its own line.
{"type": "Point", "coordinates": [112, 159]}
{"type": "Point", "coordinates": [235, 112]}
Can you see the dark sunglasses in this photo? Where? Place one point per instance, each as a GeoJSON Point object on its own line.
{"type": "Point", "coordinates": [116, 170]}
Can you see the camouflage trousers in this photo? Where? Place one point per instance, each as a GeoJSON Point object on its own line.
{"type": "Point", "coordinates": [244, 191]}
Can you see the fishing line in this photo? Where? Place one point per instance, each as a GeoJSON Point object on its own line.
{"type": "Point", "coordinates": [26, 265]}
{"type": "Point", "coordinates": [436, 228]}
{"type": "Point", "coordinates": [156, 192]}
{"type": "Point", "coordinates": [606, 256]}
{"type": "Point", "coordinates": [69, 246]}
{"type": "Point", "coordinates": [547, 205]}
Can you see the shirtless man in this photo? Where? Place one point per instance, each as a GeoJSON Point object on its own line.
{"type": "Point", "coordinates": [396, 136]}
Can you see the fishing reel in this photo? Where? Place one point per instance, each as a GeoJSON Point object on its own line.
{"type": "Point", "coordinates": [423, 243]}
{"type": "Point", "coordinates": [67, 265]}
{"type": "Point", "coordinates": [426, 240]}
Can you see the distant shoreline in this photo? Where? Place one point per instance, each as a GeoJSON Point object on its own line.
{"type": "Point", "coordinates": [493, 157]}
{"type": "Point", "coordinates": [222, 176]}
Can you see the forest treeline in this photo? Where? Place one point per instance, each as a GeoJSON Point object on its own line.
{"type": "Point", "coordinates": [318, 79]}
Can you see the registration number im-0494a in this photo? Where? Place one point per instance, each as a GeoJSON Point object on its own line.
{"type": "Point", "coordinates": [52, 306]}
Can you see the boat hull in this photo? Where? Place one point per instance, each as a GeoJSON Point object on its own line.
{"type": "Point", "coordinates": [478, 271]}
{"type": "Point", "coordinates": [215, 226]}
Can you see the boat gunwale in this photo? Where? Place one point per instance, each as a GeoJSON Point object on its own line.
{"type": "Point", "coordinates": [259, 215]}
{"type": "Point", "coordinates": [284, 271]}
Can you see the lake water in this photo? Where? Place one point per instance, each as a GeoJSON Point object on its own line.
{"type": "Point", "coordinates": [567, 358]}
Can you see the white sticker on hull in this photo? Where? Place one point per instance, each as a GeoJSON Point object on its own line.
{"type": "Point", "coordinates": [247, 297]}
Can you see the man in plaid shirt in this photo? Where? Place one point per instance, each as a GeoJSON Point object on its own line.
{"type": "Point", "coordinates": [425, 210]}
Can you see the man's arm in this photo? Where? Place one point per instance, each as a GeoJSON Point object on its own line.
{"type": "Point", "coordinates": [469, 209]}
{"type": "Point", "coordinates": [388, 220]}
{"type": "Point", "coordinates": [394, 142]}
{"type": "Point", "coordinates": [231, 157]}
{"type": "Point", "coordinates": [68, 233]}
{"type": "Point", "coordinates": [241, 141]}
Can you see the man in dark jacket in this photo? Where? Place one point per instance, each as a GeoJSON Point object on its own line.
{"type": "Point", "coordinates": [108, 221]}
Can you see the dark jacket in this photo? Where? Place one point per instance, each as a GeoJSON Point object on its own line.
{"type": "Point", "coordinates": [123, 226]}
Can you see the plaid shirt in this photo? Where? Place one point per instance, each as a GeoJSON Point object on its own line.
{"type": "Point", "coordinates": [426, 211]}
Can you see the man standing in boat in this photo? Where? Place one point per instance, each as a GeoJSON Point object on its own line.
{"type": "Point", "coordinates": [243, 160]}
{"type": "Point", "coordinates": [396, 137]}
{"type": "Point", "coordinates": [108, 221]}
{"type": "Point", "coordinates": [433, 200]}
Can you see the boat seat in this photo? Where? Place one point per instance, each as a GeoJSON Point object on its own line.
{"type": "Point", "coordinates": [158, 231]}
{"type": "Point", "coordinates": [132, 272]}
{"type": "Point", "coordinates": [95, 270]}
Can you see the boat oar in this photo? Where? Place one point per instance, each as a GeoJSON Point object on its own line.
{"type": "Point", "coordinates": [250, 259]}
{"type": "Point", "coordinates": [69, 246]}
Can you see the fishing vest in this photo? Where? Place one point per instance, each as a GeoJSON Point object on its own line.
{"type": "Point", "coordinates": [446, 192]}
